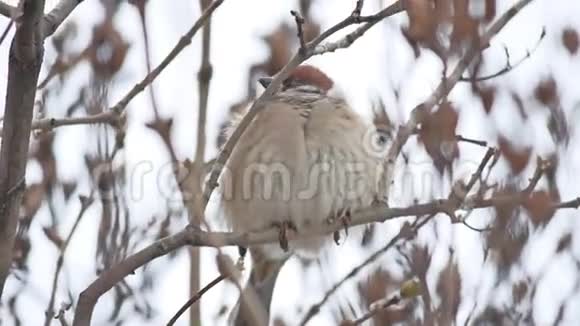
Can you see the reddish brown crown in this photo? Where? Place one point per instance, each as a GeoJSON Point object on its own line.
{"type": "Point", "coordinates": [309, 75]}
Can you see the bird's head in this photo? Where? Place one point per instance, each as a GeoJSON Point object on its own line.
{"type": "Point", "coordinates": [304, 77]}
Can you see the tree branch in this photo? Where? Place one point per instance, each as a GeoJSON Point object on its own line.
{"type": "Point", "coordinates": [57, 16]}
{"type": "Point", "coordinates": [25, 60]}
{"type": "Point", "coordinates": [7, 10]}
{"type": "Point", "coordinates": [198, 238]}
{"type": "Point", "coordinates": [300, 27]}
{"type": "Point", "coordinates": [196, 213]}
{"type": "Point", "coordinates": [48, 124]}
{"type": "Point", "coordinates": [357, 33]}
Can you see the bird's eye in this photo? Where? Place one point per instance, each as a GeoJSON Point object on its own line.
{"type": "Point", "coordinates": [377, 142]}
{"type": "Point", "coordinates": [381, 138]}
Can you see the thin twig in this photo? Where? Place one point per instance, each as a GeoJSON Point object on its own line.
{"type": "Point", "coordinates": [459, 192]}
{"type": "Point", "coordinates": [109, 117]}
{"type": "Point", "coordinates": [357, 33]}
{"type": "Point", "coordinates": [300, 28]}
{"type": "Point", "coordinates": [183, 42]}
{"type": "Point", "coordinates": [6, 30]}
{"type": "Point", "coordinates": [508, 66]}
{"type": "Point", "coordinates": [196, 213]}
{"type": "Point", "coordinates": [194, 299]}
{"type": "Point", "coordinates": [85, 204]}
{"type": "Point", "coordinates": [395, 299]}
{"type": "Point", "coordinates": [60, 315]}
{"type": "Point", "coordinates": [476, 229]}
{"type": "Point", "coordinates": [142, 15]}
{"type": "Point", "coordinates": [575, 203]}
{"type": "Point", "coordinates": [541, 167]}
{"type": "Point", "coordinates": [481, 143]}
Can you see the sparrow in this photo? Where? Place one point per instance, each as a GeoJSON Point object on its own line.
{"type": "Point", "coordinates": [307, 158]}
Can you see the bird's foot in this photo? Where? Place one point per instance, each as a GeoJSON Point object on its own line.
{"type": "Point", "coordinates": [344, 217]}
{"type": "Point", "coordinates": [283, 228]}
{"type": "Point", "coordinates": [381, 200]}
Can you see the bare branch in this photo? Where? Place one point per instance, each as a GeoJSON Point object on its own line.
{"type": "Point", "coordinates": [508, 66]}
{"type": "Point", "coordinates": [358, 8]}
{"type": "Point", "coordinates": [481, 143]}
{"type": "Point", "coordinates": [183, 42]}
{"type": "Point", "coordinates": [60, 315]}
{"type": "Point", "coordinates": [6, 30]}
{"type": "Point", "coordinates": [575, 203]}
{"type": "Point", "coordinates": [377, 307]}
{"type": "Point", "coordinates": [347, 41]}
{"type": "Point", "coordinates": [300, 27]}
{"type": "Point", "coordinates": [142, 15]}
{"type": "Point", "coordinates": [48, 124]}
{"type": "Point", "coordinates": [459, 192]}
{"type": "Point", "coordinates": [194, 299]}
{"type": "Point", "coordinates": [7, 10]}
{"type": "Point", "coordinates": [541, 167]}
{"type": "Point", "coordinates": [57, 16]}
{"type": "Point", "coordinates": [85, 204]}
{"type": "Point", "coordinates": [196, 213]}
{"type": "Point", "coordinates": [109, 117]}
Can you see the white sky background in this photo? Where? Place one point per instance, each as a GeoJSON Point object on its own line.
{"type": "Point", "coordinates": [376, 62]}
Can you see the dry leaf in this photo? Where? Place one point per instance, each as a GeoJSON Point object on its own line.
{"type": "Point", "coordinates": [438, 135]}
{"type": "Point", "coordinates": [107, 50]}
{"type": "Point", "coordinates": [464, 26]}
{"type": "Point", "coordinates": [449, 290]}
{"type": "Point", "coordinates": [540, 208]}
{"type": "Point", "coordinates": [52, 234]}
{"type": "Point", "coordinates": [570, 40]}
{"type": "Point", "coordinates": [546, 92]}
{"type": "Point", "coordinates": [518, 160]}
{"type": "Point", "coordinates": [32, 199]}
{"type": "Point", "coordinates": [519, 291]}
{"type": "Point", "coordinates": [490, 10]}
{"type": "Point", "coordinates": [487, 97]}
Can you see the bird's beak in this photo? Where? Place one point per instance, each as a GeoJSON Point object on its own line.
{"type": "Point", "coordinates": [265, 81]}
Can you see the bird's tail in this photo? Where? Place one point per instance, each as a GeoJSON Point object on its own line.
{"type": "Point", "coordinates": [258, 291]}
